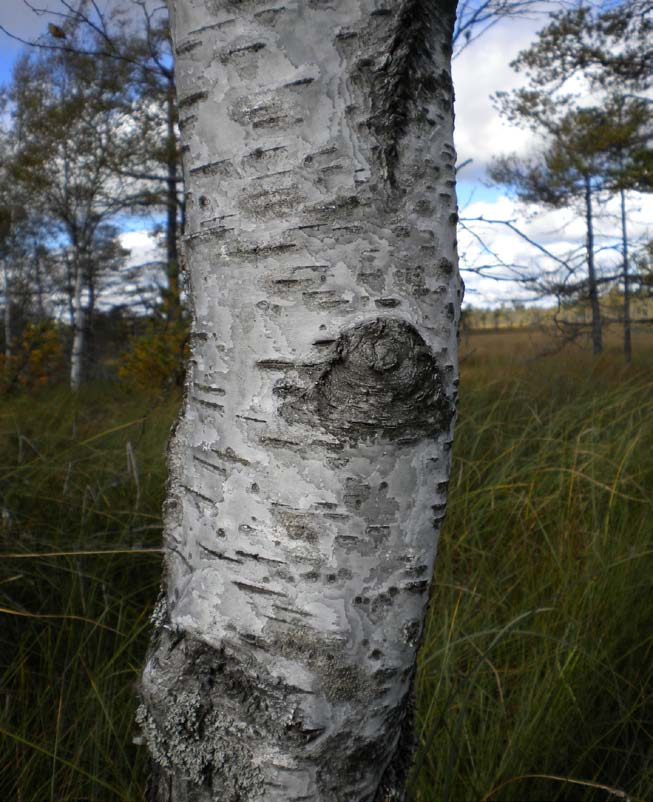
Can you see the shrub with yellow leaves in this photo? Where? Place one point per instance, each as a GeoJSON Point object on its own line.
{"type": "Point", "coordinates": [157, 358]}
{"type": "Point", "coordinates": [37, 358]}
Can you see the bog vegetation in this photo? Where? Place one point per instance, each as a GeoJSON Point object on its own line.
{"type": "Point", "coordinates": [536, 671]}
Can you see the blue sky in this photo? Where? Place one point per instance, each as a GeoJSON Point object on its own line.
{"type": "Point", "coordinates": [7, 57]}
{"type": "Point", "coordinates": [17, 18]}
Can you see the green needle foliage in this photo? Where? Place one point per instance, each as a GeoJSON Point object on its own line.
{"type": "Point", "coordinates": [536, 671]}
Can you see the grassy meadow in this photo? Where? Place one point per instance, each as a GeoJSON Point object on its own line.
{"type": "Point", "coordinates": [536, 672]}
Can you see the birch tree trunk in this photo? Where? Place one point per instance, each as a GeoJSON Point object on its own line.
{"type": "Point", "coordinates": [309, 466]}
{"type": "Point", "coordinates": [172, 300]}
{"type": "Point", "coordinates": [7, 316]}
{"type": "Point", "coordinates": [628, 345]}
{"type": "Point", "coordinates": [78, 323]}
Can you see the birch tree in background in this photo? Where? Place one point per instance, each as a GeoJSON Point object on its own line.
{"type": "Point", "coordinates": [309, 466]}
{"type": "Point", "coordinates": [69, 128]}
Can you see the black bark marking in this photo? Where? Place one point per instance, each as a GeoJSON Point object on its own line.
{"type": "Point", "coordinates": [214, 26]}
{"type": "Point", "coordinates": [229, 455]}
{"type": "Point", "coordinates": [387, 302]}
{"type": "Point", "coordinates": [269, 14]}
{"type": "Point", "coordinates": [294, 610]}
{"type": "Point", "coordinates": [197, 493]}
{"type": "Point", "coordinates": [254, 47]}
{"type": "Point", "coordinates": [223, 168]}
{"type": "Point", "coordinates": [262, 250]}
{"type": "Point", "coordinates": [219, 555]}
{"type": "Point", "coordinates": [184, 122]}
{"type": "Point", "coordinates": [210, 465]}
{"type": "Point", "coordinates": [335, 206]}
{"type": "Point", "coordinates": [420, 586]}
{"type": "Point", "coordinates": [275, 364]}
{"type": "Point", "coordinates": [299, 82]}
{"type": "Point", "coordinates": [323, 299]}
{"type": "Point", "coordinates": [381, 380]}
{"type": "Point", "coordinates": [208, 404]}
{"type": "Point", "coordinates": [257, 557]}
{"type": "Point", "coordinates": [191, 100]}
{"type": "Point", "coordinates": [209, 388]}
{"type": "Point", "coordinates": [278, 442]}
{"type": "Point", "coordinates": [188, 47]}
{"type": "Point", "coordinates": [257, 589]}
{"type": "Point", "coordinates": [261, 156]}
{"type": "Point", "coordinates": [272, 174]}
{"type": "Point", "coordinates": [407, 76]}
{"type": "Point", "coordinates": [347, 541]}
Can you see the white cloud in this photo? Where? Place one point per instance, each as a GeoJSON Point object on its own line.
{"type": "Point", "coordinates": [480, 71]}
{"type": "Point", "coordinates": [481, 134]}
{"type": "Point", "coordinates": [562, 232]}
{"type": "Point", "coordinates": [143, 246]}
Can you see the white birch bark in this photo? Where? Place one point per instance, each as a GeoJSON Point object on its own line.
{"type": "Point", "coordinates": [7, 316]}
{"type": "Point", "coordinates": [77, 349]}
{"type": "Point", "coordinates": [309, 466]}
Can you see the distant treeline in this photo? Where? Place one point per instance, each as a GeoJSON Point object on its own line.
{"type": "Point", "coordinates": [517, 315]}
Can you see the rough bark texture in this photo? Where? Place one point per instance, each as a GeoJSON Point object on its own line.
{"type": "Point", "coordinates": [309, 465]}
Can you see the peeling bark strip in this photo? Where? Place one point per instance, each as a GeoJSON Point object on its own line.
{"type": "Point", "coordinates": [309, 466]}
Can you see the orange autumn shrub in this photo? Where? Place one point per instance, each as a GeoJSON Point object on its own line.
{"type": "Point", "coordinates": [157, 358]}
{"type": "Point", "coordinates": [37, 358]}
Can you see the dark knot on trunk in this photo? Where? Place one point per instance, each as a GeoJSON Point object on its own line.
{"type": "Point", "coordinates": [381, 380]}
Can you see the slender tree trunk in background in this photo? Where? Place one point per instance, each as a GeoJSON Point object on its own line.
{"type": "Point", "coordinates": [309, 467]}
{"type": "Point", "coordinates": [77, 351]}
{"type": "Point", "coordinates": [6, 288]}
{"type": "Point", "coordinates": [597, 328]}
{"type": "Point", "coordinates": [628, 348]}
{"type": "Point", "coordinates": [90, 364]}
{"type": "Point", "coordinates": [40, 291]}
{"type": "Point", "coordinates": [5, 230]}
{"type": "Point", "coordinates": [173, 302]}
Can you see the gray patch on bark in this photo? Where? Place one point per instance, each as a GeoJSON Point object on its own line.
{"type": "Point", "coordinates": [380, 381]}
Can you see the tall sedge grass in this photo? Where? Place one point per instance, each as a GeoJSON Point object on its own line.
{"type": "Point", "coordinates": [83, 475]}
{"type": "Point", "coordinates": [536, 671]}
{"type": "Point", "coordinates": [537, 655]}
